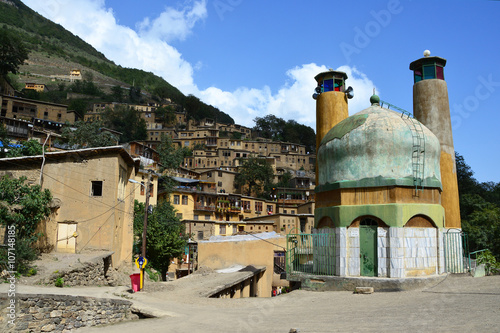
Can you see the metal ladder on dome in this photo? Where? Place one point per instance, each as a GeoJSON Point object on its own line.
{"type": "Point", "coordinates": [418, 149]}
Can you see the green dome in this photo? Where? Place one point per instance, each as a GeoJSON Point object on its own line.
{"type": "Point", "coordinates": [374, 99]}
{"type": "Point", "coordinates": [375, 148]}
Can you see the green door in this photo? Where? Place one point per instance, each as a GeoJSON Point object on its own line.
{"type": "Point", "coordinates": [368, 250]}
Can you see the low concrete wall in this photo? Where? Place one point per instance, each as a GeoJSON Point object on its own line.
{"type": "Point", "coordinates": [58, 313]}
{"type": "Point", "coordinates": [338, 283]}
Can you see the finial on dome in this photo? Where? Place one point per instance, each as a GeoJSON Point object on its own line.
{"type": "Point", "coordinates": [427, 53]}
{"type": "Point", "coordinates": [374, 100]}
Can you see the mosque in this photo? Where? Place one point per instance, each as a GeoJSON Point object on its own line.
{"type": "Point", "coordinates": [386, 183]}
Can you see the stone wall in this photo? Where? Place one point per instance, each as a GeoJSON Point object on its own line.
{"type": "Point", "coordinates": [94, 273]}
{"type": "Point", "coordinates": [62, 313]}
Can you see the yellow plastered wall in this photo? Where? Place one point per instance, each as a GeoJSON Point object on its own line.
{"type": "Point", "coordinates": [219, 255]}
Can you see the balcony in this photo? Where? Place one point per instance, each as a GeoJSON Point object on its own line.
{"type": "Point", "coordinates": [199, 206]}
{"type": "Point", "coordinates": [235, 210]}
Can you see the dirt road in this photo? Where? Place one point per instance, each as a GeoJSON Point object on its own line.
{"type": "Point", "coordinates": [458, 304]}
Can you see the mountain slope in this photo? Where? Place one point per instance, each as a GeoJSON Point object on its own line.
{"type": "Point", "coordinates": [51, 45]}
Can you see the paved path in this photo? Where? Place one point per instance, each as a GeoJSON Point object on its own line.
{"type": "Point", "coordinates": [458, 304]}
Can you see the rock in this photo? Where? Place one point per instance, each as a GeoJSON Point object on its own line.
{"type": "Point", "coordinates": [48, 328]}
{"type": "Point", "coordinates": [55, 313]}
{"type": "Point", "coordinates": [364, 290]}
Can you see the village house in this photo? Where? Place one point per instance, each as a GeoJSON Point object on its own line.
{"type": "Point", "coordinates": [92, 198]}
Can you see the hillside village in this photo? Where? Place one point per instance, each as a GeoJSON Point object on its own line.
{"type": "Point", "coordinates": [205, 196]}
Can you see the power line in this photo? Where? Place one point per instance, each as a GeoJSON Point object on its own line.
{"type": "Point", "coordinates": [262, 239]}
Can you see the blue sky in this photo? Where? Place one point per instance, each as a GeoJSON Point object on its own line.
{"type": "Point", "coordinates": [251, 58]}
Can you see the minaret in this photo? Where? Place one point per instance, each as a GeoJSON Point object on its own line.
{"type": "Point", "coordinates": [331, 103]}
{"type": "Point", "coordinates": [431, 108]}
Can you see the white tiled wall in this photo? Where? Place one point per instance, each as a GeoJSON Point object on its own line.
{"type": "Point", "coordinates": [383, 251]}
{"type": "Point", "coordinates": [420, 245]}
{"type": "Point", "coordinates": [353, 263]}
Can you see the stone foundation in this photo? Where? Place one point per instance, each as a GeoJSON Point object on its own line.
{"type": "Point", "coordinates": [95, 273]}
{"type": "Point", "coordinates": [61, 313]}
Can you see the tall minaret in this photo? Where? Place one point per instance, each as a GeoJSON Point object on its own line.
{"type": "Point", "coordinates": [431, 108]}
{"type": "Point", "coordinates": [331, 103]}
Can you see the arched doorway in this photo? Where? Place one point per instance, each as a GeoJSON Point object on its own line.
{"type": "Point", "coordinates": [368, 247]}
{"type": "Point", "coordinates": [325, 222]}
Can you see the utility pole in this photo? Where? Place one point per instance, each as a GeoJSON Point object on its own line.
{"type": "Point", "coordinates": [146, 211]}
{"type": "Point", "coordinates": [145, 226]}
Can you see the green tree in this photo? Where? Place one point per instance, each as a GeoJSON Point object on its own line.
{"type": "Point", "coordinates": [170, 156]}
{"type": "Point", "coordinates": [479, 209]}
{"type": "Point", "coordinates": [270, 127]}
{"type": "Point", "coordinates": [256, 175]}
{"type": "Point", "coordinates": [277, 129]}
{"type": "Point", "coordinates": [467, 184]}
{"type": "Point", "coordinates": [166, 115]}
{"type": "Point", "coordinates": [117, 93]}
{"type": "Point", "coordinates": [12, 53]}
{"type": "Point", "coordinates": [88, 135]}
{"type": "Point", "coordinates": [127, 121]}
{"type": "Point", "coordinates": [482, 224]}
{"type": "Point", "coordinates": [23, 207]}
{"type": "Point", "coordinates": [79, 105]}
{"type": "Point", "coordinates": [3, 140]}
{"type": "Point", "coordinates": [135, 95]}
{"type": "Point", "coordinates": [165, 237]}
{"type": "Point", "coordinates": [29, 148]}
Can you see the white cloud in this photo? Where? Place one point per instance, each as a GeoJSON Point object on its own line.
{"type": "Point", "coordinates": [363, 88]}
{"type": "Point", "coordinates": [97, 25]}
{"type": "Point", "coordinates": [172, 23]}
{"type": "Point", "coordinates": [293, 101]}
{"type": "Point", "coordinates": [149, 50]}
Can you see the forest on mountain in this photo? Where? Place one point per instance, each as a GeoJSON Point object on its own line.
{"type": "Point", "coordinates": [44, 37]}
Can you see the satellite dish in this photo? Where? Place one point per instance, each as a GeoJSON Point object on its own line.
{"type": "Point", "coordinates": [349, 92]}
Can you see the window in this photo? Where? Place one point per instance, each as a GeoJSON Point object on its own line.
{"type": "Point", "coordinates": [184, 199]}
{"type": "Point", "coordinates": [200, 235]}
{"type": "Point", "coordinates": [220, 173]}
{"type": "Point", "coordinates": [179, 215]}
{"type": "Point", "coordinates": [219, 184]}
{"type": "Point", "coordinates": [207, 217]}
{"type": "Point", "coordinates": [96, 190]}
{"type": "Point", "coordinates": [293, 212]}
{"type": "Point", "coordinates": [195, 217]}
{"type": "Point", "coordinates": [258, 206]}
{"type": "Point", "coordinates": [222, 229]}
{"type": "Point", "coordinates": [176, 199]}
{"type": "Point", "coordinates": [235, 229]}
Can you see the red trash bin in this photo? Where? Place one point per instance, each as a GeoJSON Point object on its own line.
{"type": "Point", "coordinates": [136, 281]}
